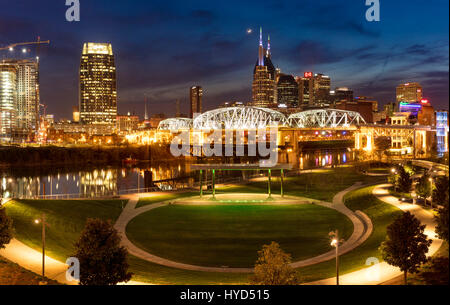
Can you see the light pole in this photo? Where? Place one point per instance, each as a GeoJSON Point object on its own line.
{"type": "Point", "coordinates": [335, 243]}
{"type": "Point", "coordinates": [44, 224]}
{"type": "Point", "coordinates": [431, 191]}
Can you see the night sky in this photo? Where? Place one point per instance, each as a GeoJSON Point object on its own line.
{"type": "Point", "coordinates": [164, 47]}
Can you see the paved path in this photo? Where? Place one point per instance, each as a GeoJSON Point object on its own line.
{"type": "Point", "coordinates": [31, 260]}
{"type": "Point", "coordinates": [362, 229]}
{"type": "Point", "coordinates": [382, 272]}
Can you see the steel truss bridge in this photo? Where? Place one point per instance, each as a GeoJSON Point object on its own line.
{"type": "Point", "coordinates": [419, 138]}
{"type": "Point", "coordinates": [256, 117]}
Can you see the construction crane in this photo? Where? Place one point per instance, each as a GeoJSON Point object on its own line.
{"type": "Point", "coordinates": [13, 45]}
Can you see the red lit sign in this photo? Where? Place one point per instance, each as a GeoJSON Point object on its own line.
{"type": "Point", "coordinates": [308, 74]}
{"type": "Point", "coordinates": [424, 101]}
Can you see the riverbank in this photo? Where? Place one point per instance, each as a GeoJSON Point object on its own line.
{"type": "Point", "coordinates": [12, 156]}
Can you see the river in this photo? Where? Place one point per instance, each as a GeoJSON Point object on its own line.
{"type": "Point", "coordinates": [113, 181]}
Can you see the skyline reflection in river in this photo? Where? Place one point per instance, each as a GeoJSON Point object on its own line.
{"type": "Point", "coordinates": [110, 181]}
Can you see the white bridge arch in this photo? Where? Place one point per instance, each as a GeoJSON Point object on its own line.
{"type": "Point", "coordinates": [325, 118]}
{"type": "Point", "coordinates": [175, 124]}
{"type": "Point", "coordinates": [239, 118]}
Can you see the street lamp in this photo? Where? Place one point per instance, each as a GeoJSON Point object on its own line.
{"type": "Point", "coordinates": [335, 241]}
{"type": "Point", "coordinates": [44, 224]}
{"type": "Point", "coordinates": [431, 195]}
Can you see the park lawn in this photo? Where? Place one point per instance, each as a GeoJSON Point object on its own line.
{"type": "Point", "coordinates": [379, 170]}
{"type": "Point", "coordinates": [13, 274]}
{"type": "Point", "coordinates": [147, 272]}
{"type": "Point", "coordinates": [381, 214]}
{"type": "Point", "coordinates": [169, 196]}
{"type": "Point", "coordinates": [320, 185]}
{"type": "Point", "coordinates": [66, 219]}
{"type": "Point", "coordinates": [231, 235]}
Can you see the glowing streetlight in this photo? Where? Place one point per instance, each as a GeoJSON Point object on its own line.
{"type": "Point", "coordinates": [11, 49]}
{"type": "Point", "coordinates": [335, 241]}
{"type": "Point", "coordinates": [431, 196]}
{"type": "Point", "coordinates": [24, 50]}
{"type": "Point", "coordinates": [44, 224]}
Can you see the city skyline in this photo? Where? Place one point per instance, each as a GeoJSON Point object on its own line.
{"type": "Point", "coordinates": [219, 54]}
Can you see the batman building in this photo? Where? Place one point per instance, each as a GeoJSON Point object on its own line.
{"type": "Point", "coordinates": [264, 75]}
{"type": "Point", "coordinates": [98, 88]}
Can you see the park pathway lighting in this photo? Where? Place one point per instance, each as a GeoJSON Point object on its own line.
{"type": "Point", "coordinates": [431, 195]}
{"type": "Point", "coordinates": [335, 242]}
{"type": "Point", "coordinates": [44, 224]}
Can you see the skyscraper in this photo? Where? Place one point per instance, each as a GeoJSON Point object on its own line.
{"type": "Point", "coordinates": [264, 86]}
{"type": "Point", "coordinates": [409, 92]}
{"type": "Point", "coordinates": [196, 94]}
{"type": "Point", "coordinates": [28, 94]}
{"type": "Point", "coordinates": [98, 87]}
{"type": "Point", "coordinates": [306, 90]}
{"type": "Point", "coordinates": [322, 84]}
{"type": "Point", "coordinates": [8, 100]}
{"type": "Point", "coordinates": [287, 89]}
{"type": "Point", "coordinates": [342, 94]}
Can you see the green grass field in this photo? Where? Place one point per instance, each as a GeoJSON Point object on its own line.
{"type": "Point", "coordinates": [231, 235]}
{"type": "Point", "coordinates": [320, 185]}
{"type": "Point", "coordinates": [158, 198]}
{"type": "Point", "coordinates": [66, 219]}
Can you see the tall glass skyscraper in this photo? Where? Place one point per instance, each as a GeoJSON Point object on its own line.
{"type": "Point", "coordinates": [195, 94]}
{"type": "Point", "coordinates": [27, 94]}
{"type": "Point", "coordinates": [8, 101]}
{"type": "Point", "coordinates": [98, 85]}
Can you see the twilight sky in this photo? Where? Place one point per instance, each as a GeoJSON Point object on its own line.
{"type": "Point", "coordinates": [161, 48]}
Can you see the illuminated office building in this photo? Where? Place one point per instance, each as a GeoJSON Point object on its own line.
{"type": "Point", "coordinates": [322, 84]}
{"type": "Point", "coordinates": [442, 132]}
{"type": "Point", "coordinates": [342, 94]}
{"type": "Point", "coordinates": [196, 94]}
{"type": "Point", "coordinates": [27, 94]}
{"type": "Point", "coordinates": [8, 100]}
{"type": "Point", "coordinates": [264, 75]}
{"type": "Point", "coordinates": [287, 89]}
{"type": "Point", "coordinates": [98, 88]}
{"type": "Point", "coordinates": [409, 92]}
{"type": "Point", "coordinates": [306, 90]}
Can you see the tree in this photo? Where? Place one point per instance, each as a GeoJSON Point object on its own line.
{"type": "Point", "coordinates": [442, 222]}
{"type": "Point", "coordinates": [423, 187]}
{"type": "Point", "coordinates": [6, 228]}
{"type": "Point", "coordinates": [435, 271]}
{"type": "Point", "coordinates": [406, 245]}
{"type": "Point", "coordinates": [272, 267]}
{"type": "Point", "coordinates": [103, 261]}
{"type": "Point", "coordinates": [440, 192]}
{"type": "Point", "coordinates": [401, 180]}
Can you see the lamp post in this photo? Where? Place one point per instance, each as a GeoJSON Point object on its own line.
{"type": "Point", "coordinates": [44, 224]}
{"type": "Point", "coordinates": [431, 191]}
{"type": "Point", "coordinates": [335, 241]}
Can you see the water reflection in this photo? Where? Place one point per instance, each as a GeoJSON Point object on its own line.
{"type": "Point", "coordinates": [110, 181]}
{"type": "Point", "coordinates": [320, 158]}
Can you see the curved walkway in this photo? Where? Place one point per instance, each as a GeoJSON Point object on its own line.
{"type": "Point", "coordinates": [362, 229]}
{"type": "Point", "coordinates": [382, 272]}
